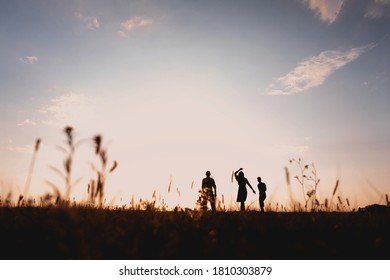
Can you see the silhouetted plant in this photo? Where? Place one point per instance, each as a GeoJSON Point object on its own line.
{"type": "Point", "coordinates": [30, 173]}
{"type": "Point", "coordinates": [8, 200]}
{"type": "Point", "coordinates": [201, 202]}
{"type": "Point", "coordinates": [96, 187]}
{"type": "Point", "coordinates": [66, 174]}
{"type": "Point", "coordinates": [309, 182]}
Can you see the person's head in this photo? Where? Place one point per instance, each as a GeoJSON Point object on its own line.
{"type": "Point", "coordinates": [241, 174]}
{"type": "Point", "coordinates": [259, 179]}
{"type": "Point", "coordinates": [208, 173]}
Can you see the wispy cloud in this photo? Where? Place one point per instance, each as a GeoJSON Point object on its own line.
{"type": "Point", "coordinates": [10, 146]}
{"type": "Point", "coordinates": [31, 59]}
{"type": "Point", "coordinates": [64, 109]}
{"type": "Point", "coordinates": [313, 71]}
{"type": "Point", "coordinates": [378, 9]}
{"type": "Point", "coordinates": [91, 23]}
{"type": "Point", "coordinates": [132, 24]}
{"type": "Point", "coordinates": [327, 10]}
{"type": "Point", "coordinates": [122, 34]}
{"type": "Point", "coordinates": [27, 122]}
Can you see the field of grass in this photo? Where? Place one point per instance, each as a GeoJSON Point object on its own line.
{"type": "Point", "coordinates": [93, 233]}
{"type": "Point", "coordinates": [54, 227]}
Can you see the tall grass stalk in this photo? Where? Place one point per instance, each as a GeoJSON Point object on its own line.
{"type": "Point", "coordinates": [31, 169]}
{"type": "Point", "coordinates": [170, 184]}
{"type": "Point", "coordinates": [96, 188]}
{"type": "Point", "coordinates": [334, 192]}
{"type": "Point", "coordinates": [66, 174]}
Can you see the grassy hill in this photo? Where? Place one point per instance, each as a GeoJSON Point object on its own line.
{"type": "Point", "coordinates": [90, 233]}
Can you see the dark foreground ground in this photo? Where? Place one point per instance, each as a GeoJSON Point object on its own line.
{"type": "Point", "coordinates": [78, 233]}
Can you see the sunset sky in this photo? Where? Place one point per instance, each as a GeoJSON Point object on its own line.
{"type": "Point", "coordinates": [177, 88]}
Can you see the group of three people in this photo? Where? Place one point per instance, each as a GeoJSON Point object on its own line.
{"type": "Point", "coordinates": [209, 189]}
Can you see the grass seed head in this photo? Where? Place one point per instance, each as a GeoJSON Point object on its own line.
{"type": "Point", "coordinates": [37, 144]}
{"type": "Point", "coordinates": [335, 187]}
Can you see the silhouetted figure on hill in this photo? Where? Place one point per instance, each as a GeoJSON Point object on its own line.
{"type": "Point", "coordinates": [209, 191]}
{"type": "Point", "coordinates": [242, 191]}
{"type": "Point", "coordinates": [262, 195]}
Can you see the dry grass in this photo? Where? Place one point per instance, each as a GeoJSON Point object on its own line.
{"type": "Point", "coordinates": [306, 177]}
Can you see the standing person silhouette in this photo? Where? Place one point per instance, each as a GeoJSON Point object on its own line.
{"type": "Point", "coordinates": [262, 195]}
{"type": "Point", "coordinates": [208, 185]}
{"type": "Point", "coordinates": [242, 191]}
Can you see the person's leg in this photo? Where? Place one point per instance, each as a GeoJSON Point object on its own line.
{"type": "Point", "coordinates": [204, 200]}
{"type": "Point", "coordinates": [242, 206]}
{"type": "Point", "coordinates": [212, 203]}
{"type": "Point", "coordinates": [262, 205]}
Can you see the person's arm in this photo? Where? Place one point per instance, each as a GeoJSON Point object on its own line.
{"type": "Point", "coordinates": [250, 186]}
{"type": "Point", "coordinates": [235, 173]}
{"type": "Point", "coordinates": [214, 186]}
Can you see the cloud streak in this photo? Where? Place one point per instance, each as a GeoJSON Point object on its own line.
{"type": "Point", "coordinates": [378, 9]}
{"type": "Point", "coordinates": [327, 10]}
{"type": "Point", "coordinates": [91, 23]}
{"type": "Point", "coordinates": [313, 71]}
{"type": "Point", "coordinates": [27, 122]}
{"type": "Point", "coordinates": [65, 108]}
{"type": "Point", "coordinates": [11, 147]}
{"type": "Point", "coordinates": [29, 59]}
{"type": "Point", "coordinates": [132, 24]}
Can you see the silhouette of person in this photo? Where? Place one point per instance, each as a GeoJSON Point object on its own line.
{"type": "Point", "coordinates": [262, 195]}
{"type": "Point", "coordinates": [209, 190]}
{"type": "Point", "coordinates": [242, 191]}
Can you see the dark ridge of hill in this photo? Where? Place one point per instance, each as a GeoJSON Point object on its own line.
{"type": "Point", "coordinates": [82, 233]}
{"type": "Point", "coordinates": [377, 208]}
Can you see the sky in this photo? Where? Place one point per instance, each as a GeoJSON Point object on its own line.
{"type": "Point", "coordinates": [176, 88]}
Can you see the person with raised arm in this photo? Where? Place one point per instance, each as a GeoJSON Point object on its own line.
{"type": "Point", "coordinates": [242, 191]}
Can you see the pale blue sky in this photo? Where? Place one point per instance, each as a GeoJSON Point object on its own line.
{"type": "Point", "coordinates": [181, 87]}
